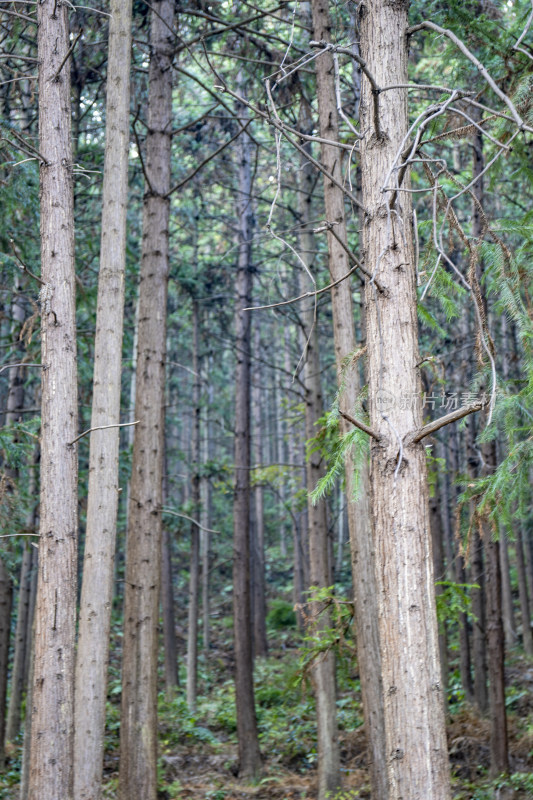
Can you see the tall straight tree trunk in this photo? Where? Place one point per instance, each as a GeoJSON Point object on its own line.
{"type": "Point", "coordinates": [21, 643]}
{"type": "Point", "coordinates": [6, 597]}
{"type": "Point", "coordinates": [249, 756]}
{"type": "Point", "coordinates": [102, 504]}
{"type": "Point", "coordinates": [52, 739]}
{"type": "Point", "coordinates": [415, 734]}
{"type": "Point", "coordinates": [359, 518]}
{"type": "Point", "coordinates": [22, 630]}
{"type": "Point", "coordinates": [495, 645]}
{"type": "Point", "coordinates": [509, 626]}
{"type": "Point", "coordinates": [525, 612]}
{"type": "Point", "coordinates": [459, 576]}
{"type": "Point", "coordinates": [167, 607]}
{"type": "Point", "coordinates": [258, 542]}
{"type": "Point", "coordinates": [170, 647]}
{"type": "Point", "coordinates": [138, 732]}
{"type": "Point", "coordinates": [194, 572]}
{"type": "Point", "coordinates": [206, 510]}
{"type": "Point", "coordinates": [323, 670]}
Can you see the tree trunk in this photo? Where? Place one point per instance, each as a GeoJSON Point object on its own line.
{"type": "Point", "coordinates": [52, 742]}
{"type": "Point", "coordinates": [194, 573]}
{"type": "Point", "coordinates": [527, 638]}
{"type": "Point", "coordinates": [477, 576]}
{"type": "Point", "coordinates": [258, 543]}
{"type": "Point", "coordinates": [249, 756]}
{"type": "Point", "coordinates": [102, 504]}
{"type": "Point", "coordinates": [440, 575]}
{"type": "Point", "coordinates": [499, 756]}
{"type": "Point", "coordinates": [22, 642]}
{"type": "Point", "coordinates": [323, 670]}
{"type": "Point", "coordinates": [138, 732]}
{"type": "Point", "coordinates": [509, 626]}
{"type": "Point", "coordinates": [359, 520]}
{"type": "Point", "coordinates": [167, 605]}
{"type": "Point", "coordinates": [6, 596]}
{"type": "Point", "coordinates": [416, 748]}
{"type": "Point", "coordinates": [206, 510]}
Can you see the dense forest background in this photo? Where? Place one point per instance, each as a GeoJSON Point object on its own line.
{"type": "Point", "coordinates": [250, 361]}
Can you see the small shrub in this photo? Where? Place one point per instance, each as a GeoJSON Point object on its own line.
{"type": "Point", "coordinates": [281, 615]}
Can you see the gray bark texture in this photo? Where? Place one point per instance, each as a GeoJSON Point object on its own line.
{"type": "Point", "coordinates": [415, 734]}
{"type": "Point", "coordinates": [249, 755]}
{"type": "Point", "coordinates": [102, 505]}
{"type": "Point", "coordinates": [138, 732]}
{"type": "Point", "coordinates": [323, 669]}
{"type": "Point", "coordinates": [52, 729]}
{"type": "Point", "coordinates": [194, 571]}
{"type": "Point", "coordinates": [359, 518]}
{"type": "Point", "coordinates": [6, 597]}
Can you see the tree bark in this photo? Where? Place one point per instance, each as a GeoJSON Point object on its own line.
{"type": "Point", "coordinates": [416, 748]}
{"type": "Point", "coordinates": [205, 491]}
{"type": "Point", "coordinates": [249, 755]}
{"type": "Point", "coordinates": [359, 519]}
{"type": "Point", "coordinates": [499, 755]}
{"type": "Point", "coordinates": [258, 543]}
{"type": "Point", "coordinates": [52, 742]}
{"type": "Point", "coordinates": [525, 612]}
{"type": "Point", "coordinates": [22, 642]}
{"type": "Point", "coordinates": [103, 493]}
{"type": "Point", "coordinates": [167, 607]}
{"type": "Point", "coordinates": [6, 597]}
{"type": "Point", "coordinates": [138, 732]}
{"type": "Point", "coordinates": [323, 669]}
{"type": "Point", "coordinates": [194, 573]}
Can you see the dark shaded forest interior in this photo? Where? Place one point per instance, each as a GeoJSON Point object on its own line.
{"type": "Point", "coordinates": [266, 400]}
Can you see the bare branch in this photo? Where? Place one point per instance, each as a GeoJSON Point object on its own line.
{"type": "Point", "coordinates": [360, 425]}
{"type": "Point", "coordinates": [280, 126]}
{"type": "Point", "coordinates": [304, 296]}
{"type": "Point", "coordinates": [103, 428]}
{"type": "Point", "coordinates": [67, 55]}
{"type": "Point", "coordinates": [207, 160]}
{"type": "Point", "coordinates": [479, 66]}
{"type": "Point", "coordinates": [184, 516]}
{"type": "Point", "coordinates": [18, 364]}
{"type": "Point", "coordinates": [364, 69]}
{"type": "Point", "coordinates": [454, 416]}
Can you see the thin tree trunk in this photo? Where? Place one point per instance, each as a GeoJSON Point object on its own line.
{"type": "Point", "coordinates": [21, 644]}
{"type": "Point", "coordinates": [258, 557]}
{"type": "Point", "coordinates": [138, 732]}
{"type": "Point", "coordinates": [499, 755]}
{"type": "Point", "coordinates": [103, 494]}
{"type": "Point", "coordinates": [29, 652]}
{"type": "Point", "coordinates": [249, 755]}
{"type": "Point", "coordinates": [415, 734]}
{"type": "Point", "coordinates": [509, 625]}
{"type": "Point", "coordinates": [6, 597]}
{"type": "Point", "coordinates": [206, 511]}
{"type": "Point", "coordinates": [323, 670]}
{"type": "Point", "coordinates": [194, 573]}
{"type": "Point", "coordinates": [440, 575]}
{"type": "Point", "coordinates": [477, 576]}
{"type": "Point", "coordinates": [52, 742]}
{"type": "Point", "coordinates": [359, 518]}
{"type": "Point", "coordinates": [525, 612]}
{"type": "Point", "coordinates": [25, 766]}
{"type": "Point", "coordinates": [459, 576]}
{"type": "Point", "coordinates": [297, 546]}
{"type": "Point", "coordinates": [169, 624]}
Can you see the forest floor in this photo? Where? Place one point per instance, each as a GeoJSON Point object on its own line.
{"type": "Point", "coordinates": [198, 752]}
